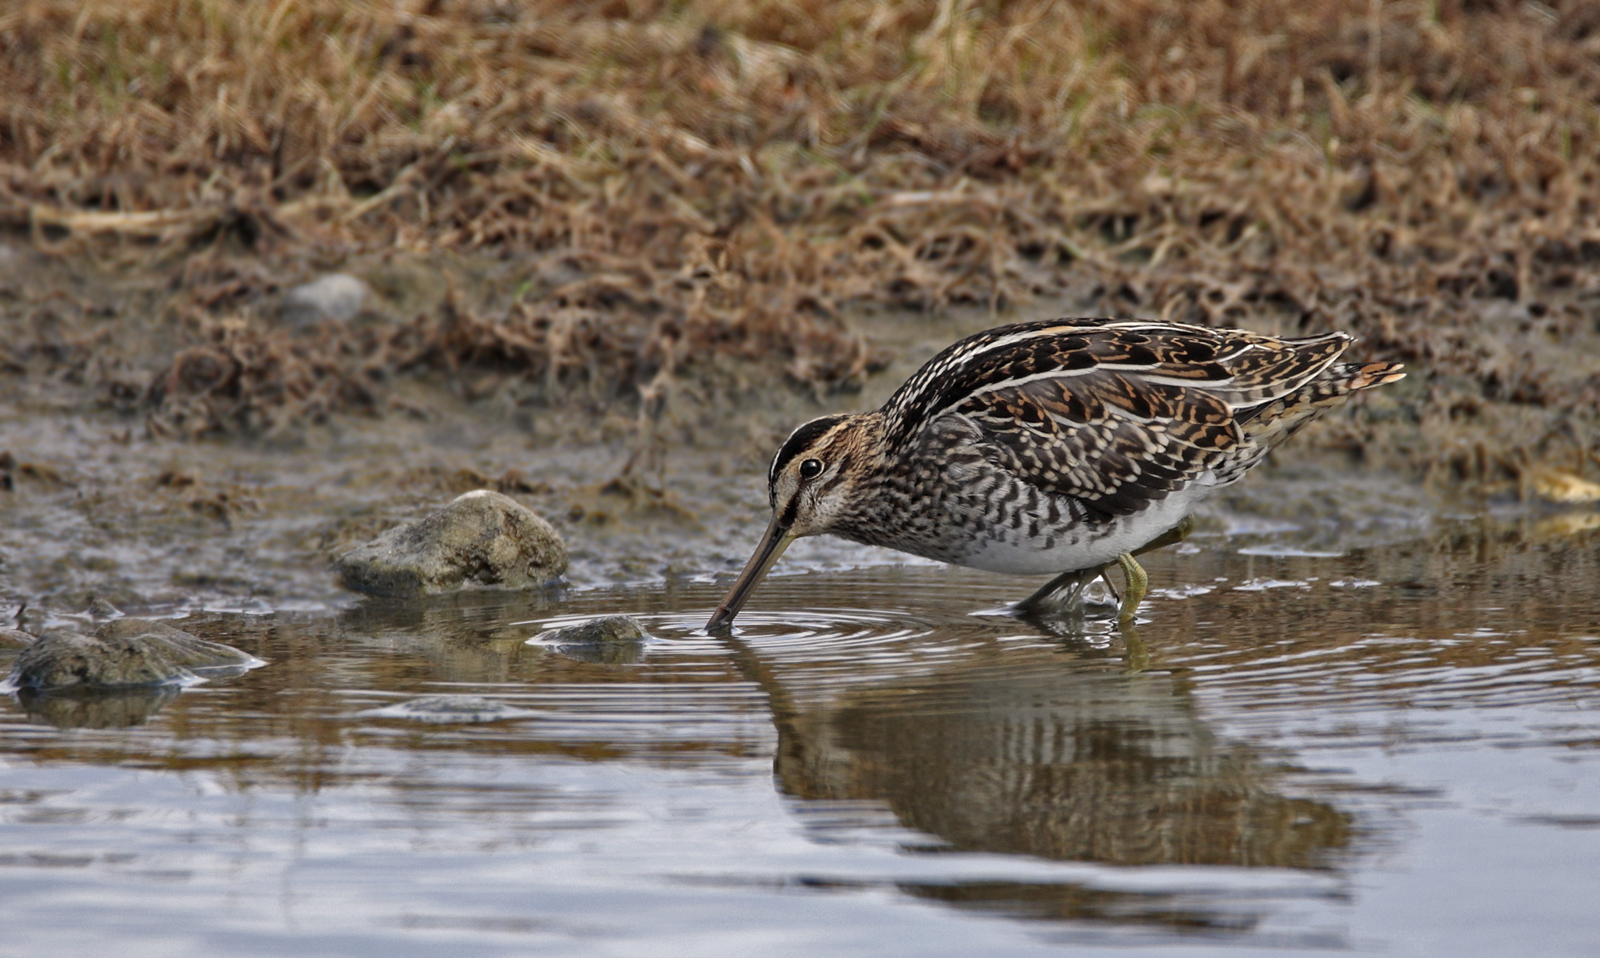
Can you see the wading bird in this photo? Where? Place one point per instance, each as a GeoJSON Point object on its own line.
{"type": "Point", "coordinates": [1063, 446]}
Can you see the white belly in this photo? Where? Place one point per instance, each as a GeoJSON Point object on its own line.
{"type": "Point", "coordinates": [1087, 546]}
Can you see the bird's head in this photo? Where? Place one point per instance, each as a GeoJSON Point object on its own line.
{"type": "Point", "coordinates": [811, 484]}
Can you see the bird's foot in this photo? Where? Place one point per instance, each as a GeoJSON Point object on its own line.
{"type": "Point", "coordinates": [1064, 593]}
{"type": "Point", "coordinates": [1138, 580]}
{"type": "Point", "coordinates": [1138, 586]}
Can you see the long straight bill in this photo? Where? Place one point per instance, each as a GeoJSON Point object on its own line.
{"type": "Point", "coordinates": [773, 542]}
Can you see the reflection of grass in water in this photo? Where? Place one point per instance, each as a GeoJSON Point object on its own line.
{"type": "Point", "coordinates": [721, 177]}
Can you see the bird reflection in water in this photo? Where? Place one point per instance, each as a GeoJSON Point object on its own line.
{"type": "Point", "coordinates": [1025, 752]}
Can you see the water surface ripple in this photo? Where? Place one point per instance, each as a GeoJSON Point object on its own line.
{"type": "Point", "coordinates": [1393, 750]}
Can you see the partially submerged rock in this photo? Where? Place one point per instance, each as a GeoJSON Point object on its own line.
{"type": "Point", "coordinates": [481, 540]}
{"type": "Point", "coordinates": [610, 640]}
{"type": "Point", "coordinates": [123, 653]}
{"type": "Point", "coordinates": [13, 639]}
{"type": "Point", "coordinates": [62, 658]}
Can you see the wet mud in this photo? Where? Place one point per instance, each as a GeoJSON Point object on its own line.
{"type": "Point", "coordinates": [101, 500]}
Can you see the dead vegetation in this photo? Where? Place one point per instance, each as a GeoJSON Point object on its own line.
{"type": "Point", "coordinates": [719, 177]}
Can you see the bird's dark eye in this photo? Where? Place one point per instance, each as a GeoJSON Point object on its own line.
{"type": "Point", "coordinates": [811, 469]}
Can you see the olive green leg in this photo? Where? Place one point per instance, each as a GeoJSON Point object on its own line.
{"type": "Point", "coordinates": [1139, 580]}
{"type": "Point", "coordinates": [1068, 587]}
{"type": "Point", "coordinates": [1172, 536]}
{"type": "Point", "coordinates": [1138, 585]}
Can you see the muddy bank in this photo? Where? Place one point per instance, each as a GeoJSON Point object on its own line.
{"type": "Point", "coordinates": [99, 503]}
{"type": "Point", "coordinates": [160, 462]}
{"type": "Point", "coordinates": [1502, 397]}
{"type": "Point", "coordinates": [602, 260]}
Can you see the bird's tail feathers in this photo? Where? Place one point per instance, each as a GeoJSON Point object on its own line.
{"type": "Point", "coordinates": [1369, 375]}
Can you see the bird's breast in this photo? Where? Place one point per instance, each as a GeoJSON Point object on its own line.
{"type": "Point", "coordinates": [989, 519]}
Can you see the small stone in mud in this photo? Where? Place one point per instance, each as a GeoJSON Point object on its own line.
{"type": "Point", "coordinates": [125, 652]}
{"type": "Point", "coordinates": [336, 296]}
{"type": "Point", "coordinates": [450, 709]}
{"type": "Point", "coordinates": [610, 640]}
{"type": "Point", "coordinates": [482, 539]}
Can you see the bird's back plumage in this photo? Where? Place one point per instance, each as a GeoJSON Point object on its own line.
{"type": "Point", "coordinates": [1121, 413]}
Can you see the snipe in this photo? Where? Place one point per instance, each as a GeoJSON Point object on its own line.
{"type": "Point", "coordinates": [1063, 446]}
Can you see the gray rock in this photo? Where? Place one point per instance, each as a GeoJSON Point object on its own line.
{"type": "Point", "coordinates": [481, 540]}
{"type": "Point", "coordinates": [63, 658]}
{"type": "Point", "coordinates": [204, 658]}
{"type": "Point", "coordinates": [450, 709]}
{"type": "Point", "coordinates": [123, 653]}
{"type": "Point", "coordinates": [335, 296]}
{"type": "Point", "coordinates": [609, 640]}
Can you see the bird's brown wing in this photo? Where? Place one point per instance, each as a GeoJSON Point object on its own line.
{"type": "Point", "coordinates": [1107, 439]}
{"type": "Point", "coordinates": [1124, 413]}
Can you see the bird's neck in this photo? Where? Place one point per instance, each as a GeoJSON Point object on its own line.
{"type": "Point", "coordinates": [868, 461]}
{"type": "Point", "coordinates": [867, 443]}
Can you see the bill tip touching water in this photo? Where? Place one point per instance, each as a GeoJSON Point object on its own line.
{"type": "Point", "coordinates": [1060, 447]}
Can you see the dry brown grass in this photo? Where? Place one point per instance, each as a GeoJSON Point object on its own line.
{"type": "Point", "coordinates": [724, 175]}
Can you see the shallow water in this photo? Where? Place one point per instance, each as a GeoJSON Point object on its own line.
{"type": "Point", "coordinates": [1392, 750]}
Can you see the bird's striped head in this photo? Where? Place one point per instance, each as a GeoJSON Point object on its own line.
{"type": "Point", "coordinates": [812, 478]}
{"type": "Point", "coordinates": [811, 485]}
